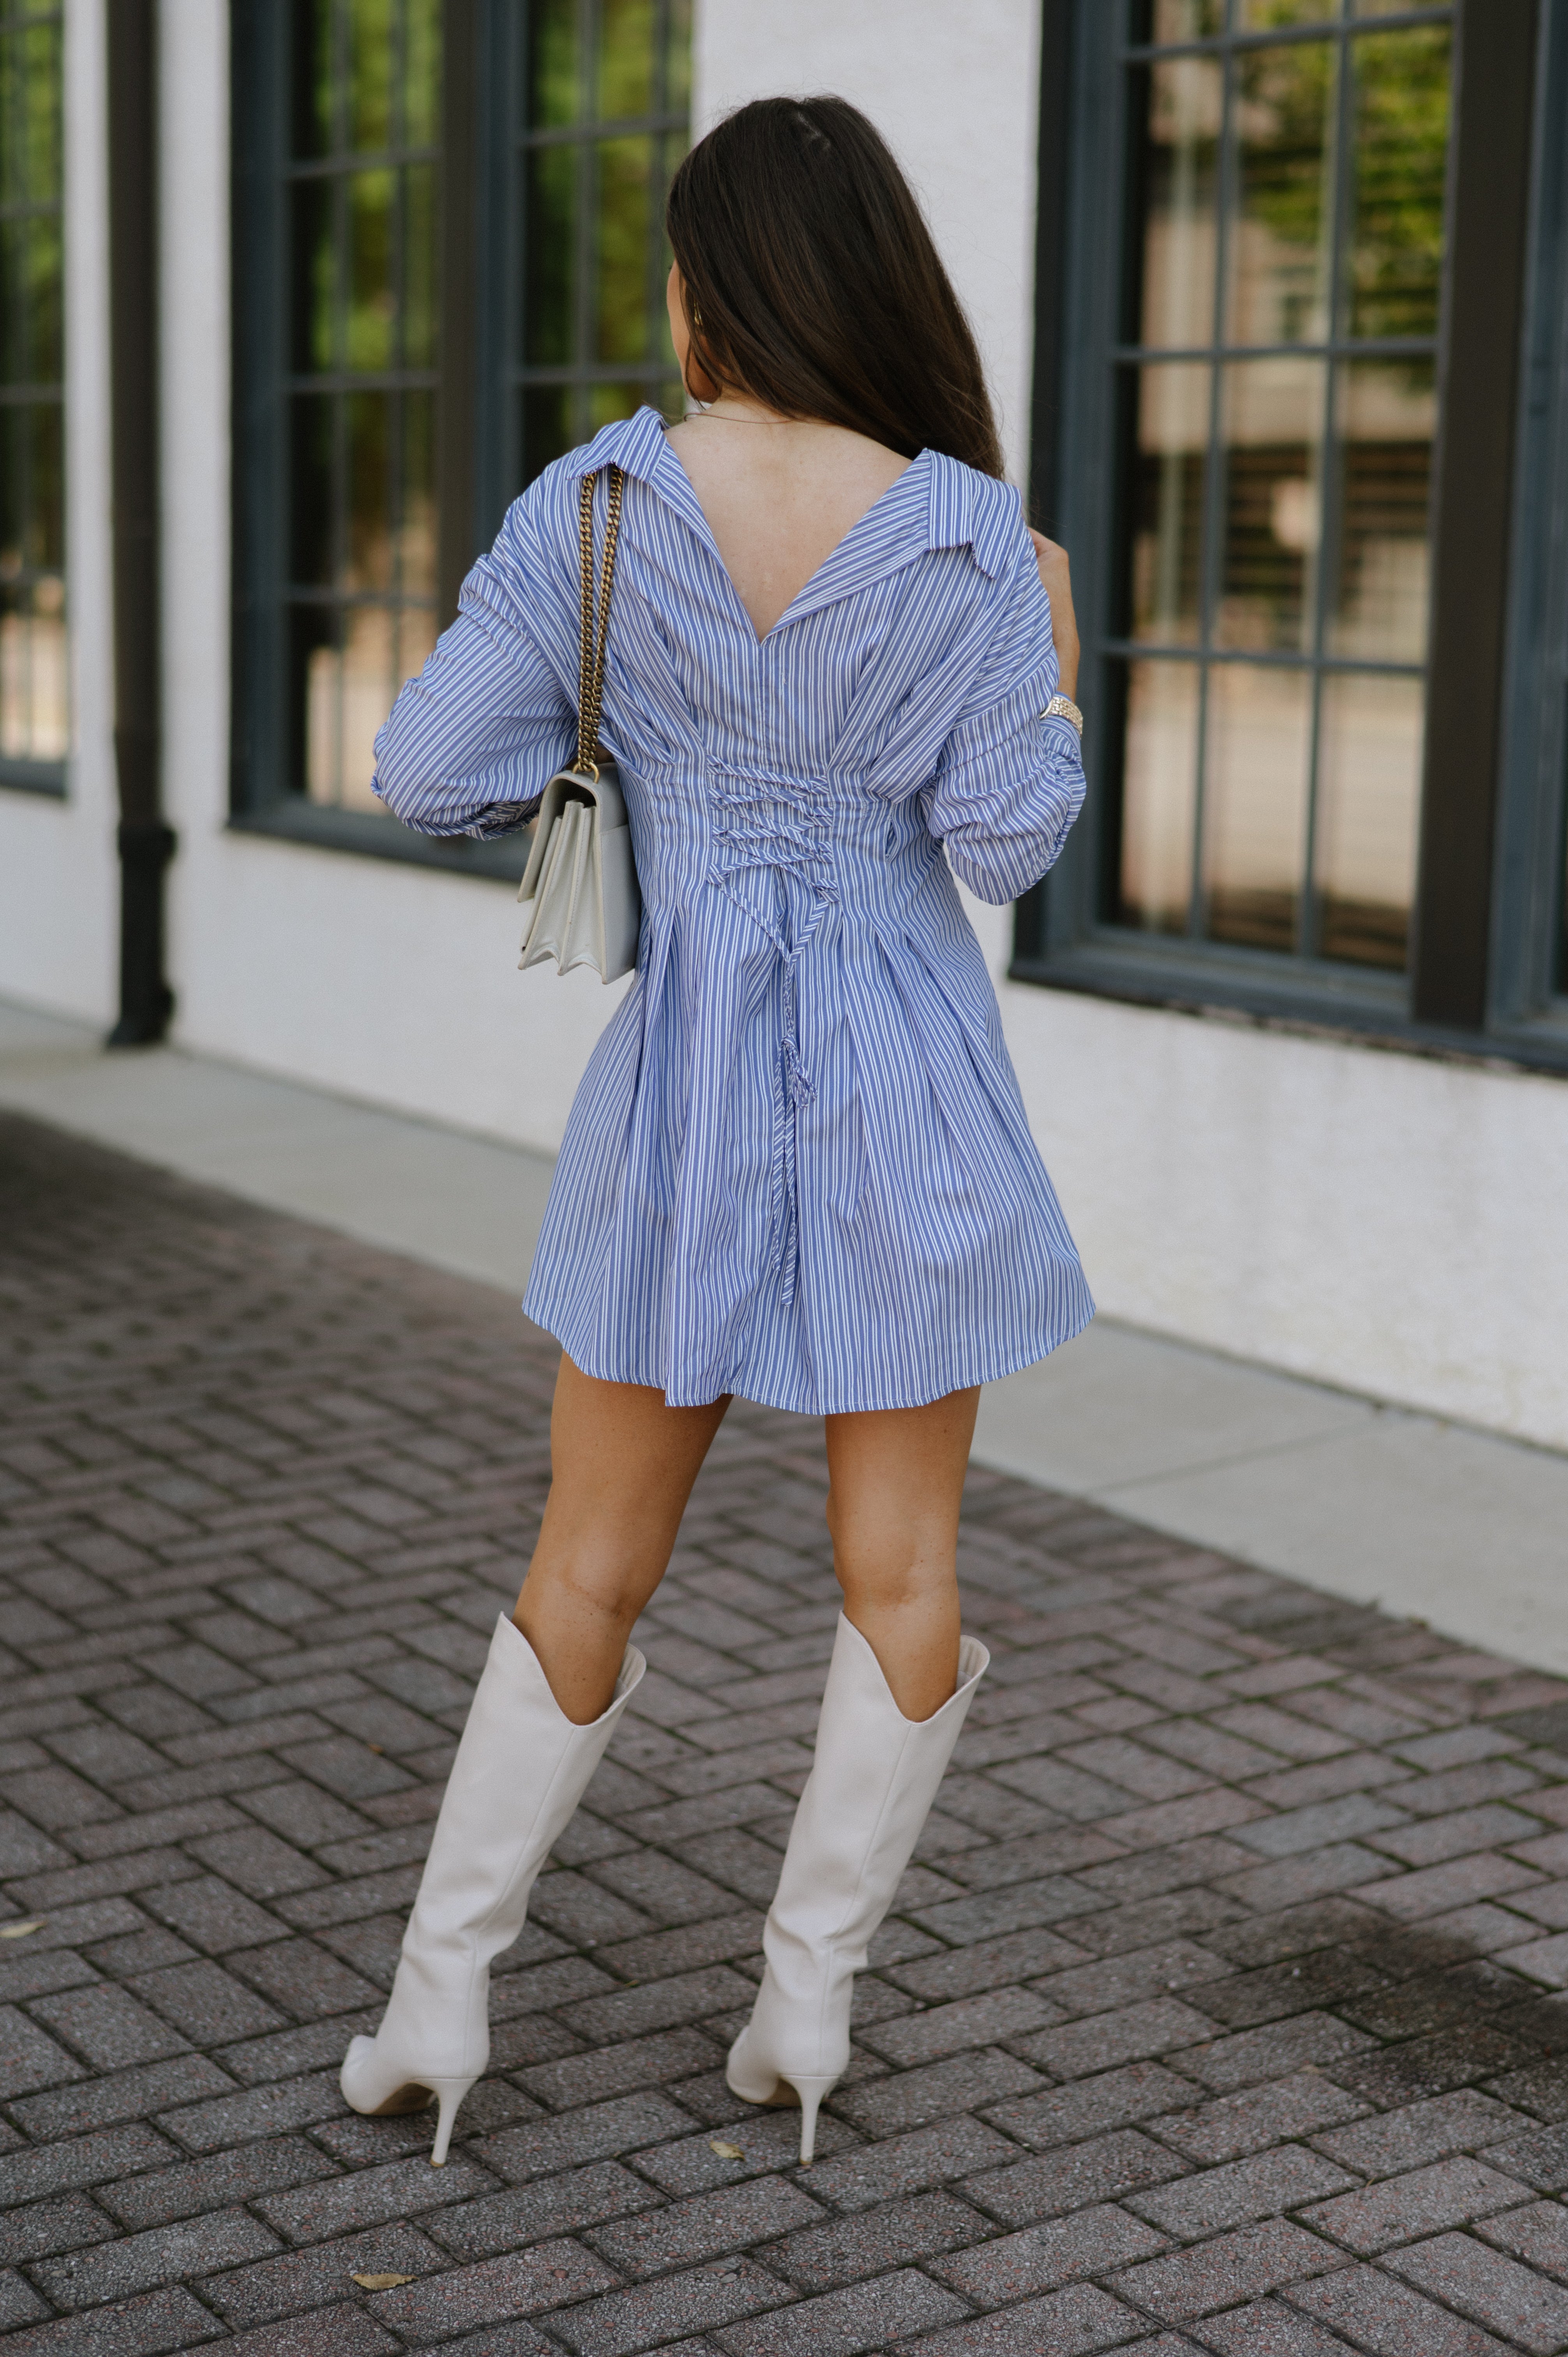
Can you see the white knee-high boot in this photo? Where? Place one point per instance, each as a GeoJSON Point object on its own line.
{"type": "Point", "coordinates": [521, 1769]}
{"type": "Point", "coordinates": [868, 1795]}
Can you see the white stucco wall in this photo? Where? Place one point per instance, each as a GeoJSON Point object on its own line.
{"type": "Point", "coordinates": [1379, 1220]}
{"type": "Point", "coordinates": [58, 872]}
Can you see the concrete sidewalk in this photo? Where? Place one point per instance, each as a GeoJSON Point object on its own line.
{"type": "Point", "coordinates": [1435, 1520]}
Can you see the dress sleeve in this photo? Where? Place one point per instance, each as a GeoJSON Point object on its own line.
{"type": "Point", "coordinates": [469, 746]}
{"type": "Point", "coordinates": [1009, 782]}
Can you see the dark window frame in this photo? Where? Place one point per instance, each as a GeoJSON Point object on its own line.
{"type": "Point", "coordinates": [1466, 796]}
{"type": "Point", "coordinates": [260, 802]}
{"type": "Point", "coordinates": [23, 773]}
{"type": "Point", "coordinates": [479, 248]}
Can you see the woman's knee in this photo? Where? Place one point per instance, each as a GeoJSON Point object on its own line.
{"type": "Point", "coordinates": [598, 1582]}
{"type": "Point", "coordinates": [895, 1573]}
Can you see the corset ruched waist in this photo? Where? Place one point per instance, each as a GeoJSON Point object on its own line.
{"type": "Point", "coordinates": [784, 825]}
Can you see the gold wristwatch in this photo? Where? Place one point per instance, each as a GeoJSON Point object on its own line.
{"type": "Point", "coordinates": [1062, 707]}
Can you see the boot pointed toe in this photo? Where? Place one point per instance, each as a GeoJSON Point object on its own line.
{"type": "Point", "coordinates": [748, 2074]}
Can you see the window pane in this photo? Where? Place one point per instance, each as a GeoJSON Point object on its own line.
{"type": "Point", "coordinates": [43, 334]}
{"type": "Point", "coordinates": [12, 301]}
{"type": "Point", "coordinates": [372, 297]}
{"type": "Point", "coordinates": [314, 287]}
{"type": "Point", "coordinates": [1258, 730]}
{"type": "Point", "coordinates": [1388, 415]}
{"type": "Point", "coordinates": [371, 33]}
{"type": "Point", "coordinates": [416, 550]}
{"type": "Point", "coordinates": [416, 636]}
{"type": "Point", "coordinates": [623, 226]}
{"type": "Point", "coordinates": [1167, 494]}
{"type": "Point", "coordinates": [1264, 15]}
{"type": "Point", "coordinates": [1184, 104]}
{"type": "Point", "coordinates": [420, 324]}
{"type": "Point", "coordinates": [1154, 886]}
{"type": "Point", "coordinates": [554, 73]}
{"type": "Point", "coordinates": [313, 86]}
{"type": "Point", "coordinates": [1369, 787]}
{"type": "Point", "coordinates": [369, 683]}
{"type": "Point", "coordinates": [550, 210]}
{"type": "Point", "coordinates": [1272, 423]}
{"type": "Point", "coordinates": [627, 69]}
{"type": "Point", "coordinates": [30, 100]}
{"type": "Point", "coordinates": [349, 690]}
{"type": "Point", "coordinates": [34, 719]}
{"type": "Point", "coordinates": [311, 427]}
{"type": "Point", "coordinates": [1401, 150]}
{"type": "Point", "coordinates": [677, 59]}
{"type": "Point", "coordinates": [608, 402]}
{"type": "Point", "coordinates": [33, 683]}
{"type": "Point", "coordinates": [422, 73]}
{"type": "Point", "coordinates": [15, 501]}
{"type": "Point", "coordinates": [547, 429]}
{"type": "Point", "coordinates": [1281, 255]}
{"type": "Point", "coordinates": [364, 301]}
{"type": "Point", "coordinates": [46, 538]}
{"type": "Point", "coordinates": [369, 421]}
{"type": "Point", "coordinates": [1176, 20]}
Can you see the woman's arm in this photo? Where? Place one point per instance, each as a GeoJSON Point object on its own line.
{"type": "Point", "coordinates": [470, 744]}
{"type": "Point", "coordinates": [1052, 561]}
{"type": "Point", "coordinates": [1010, 780]}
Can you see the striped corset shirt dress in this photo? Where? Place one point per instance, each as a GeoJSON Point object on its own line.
{"type": "Point", "coordinates": [798, 1167]}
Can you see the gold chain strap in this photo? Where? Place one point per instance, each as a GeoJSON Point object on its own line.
{"type": "Point", "coordinates": [591, 675]}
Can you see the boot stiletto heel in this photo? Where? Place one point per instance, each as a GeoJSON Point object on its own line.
{"type": "Point", "coordinates": [869, 1792]}
{"type": "Point", "coordinates": [810, 2092]}
{"type": "Point", "coordinates": [449, 2093]}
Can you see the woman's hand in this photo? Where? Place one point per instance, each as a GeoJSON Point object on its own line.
{"type": "Point", "coordinates": [1052, 560]}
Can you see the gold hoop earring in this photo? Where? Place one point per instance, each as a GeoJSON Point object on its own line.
{"type": "Point", "coordinates": [696, 315]}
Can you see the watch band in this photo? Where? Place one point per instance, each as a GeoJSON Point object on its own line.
{"type": "Point", "coordinates": [1062, 707]}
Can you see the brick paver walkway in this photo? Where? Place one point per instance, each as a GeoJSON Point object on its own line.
{"type": "Point", "coordinates": [1217, 2014]}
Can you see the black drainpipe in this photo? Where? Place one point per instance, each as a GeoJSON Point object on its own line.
{"type": "Point", "coordinates": [146, 844]}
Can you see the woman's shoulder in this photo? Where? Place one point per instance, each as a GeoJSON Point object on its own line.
{"type": "Point", "coordinates": [630, 443]}
{"type": "Point", "coordinates": [979, 512]}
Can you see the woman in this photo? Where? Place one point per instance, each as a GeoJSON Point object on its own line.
{"type": "Point", "coordinates": [798, 1167]}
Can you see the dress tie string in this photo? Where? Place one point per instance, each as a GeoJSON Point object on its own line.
{"type": "Point", "coordinates": [785, 830]}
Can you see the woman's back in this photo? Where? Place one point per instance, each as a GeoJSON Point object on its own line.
{"type": "Point", "coordinates": [780, 495]}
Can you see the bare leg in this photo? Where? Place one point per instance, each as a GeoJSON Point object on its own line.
{"type": "Point", "coordinates": [622, 1466]}
{"type": "Point", "coordinates": [896, 1478]}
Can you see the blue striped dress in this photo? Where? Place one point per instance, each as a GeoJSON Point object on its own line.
{"type": "Point", "coordinates": [798, 1167]}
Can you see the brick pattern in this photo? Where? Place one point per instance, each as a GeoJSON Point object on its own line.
{"type": "Point", "coordinates": [1222, 2008]}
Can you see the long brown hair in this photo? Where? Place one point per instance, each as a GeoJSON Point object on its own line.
{"type": "Point", "coordinates": [813, 283]}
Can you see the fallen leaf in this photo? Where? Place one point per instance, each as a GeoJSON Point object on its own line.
{"type": "Point", "coordinates": [20, 1930]}
{"type": "Point", "coordinates": [725, 2151]}
{"type": "Point", "coordinates": [382, 2283]}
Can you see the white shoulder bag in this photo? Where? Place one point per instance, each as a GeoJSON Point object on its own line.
{"type": "Point", "coordinates": [580, 884]}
